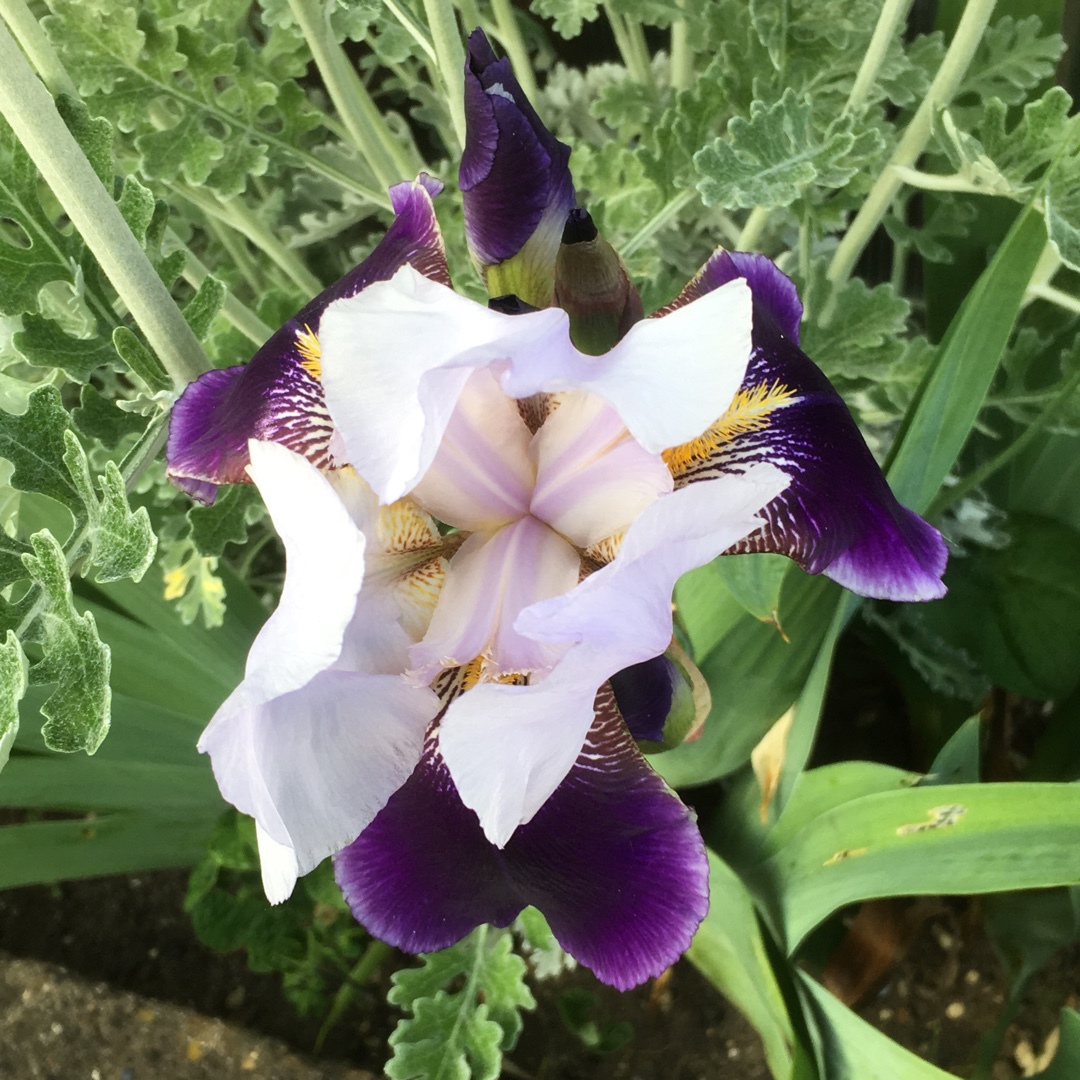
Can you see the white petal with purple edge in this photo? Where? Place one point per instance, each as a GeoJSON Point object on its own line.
{"type": "Point", "coordinates": [509, 747]}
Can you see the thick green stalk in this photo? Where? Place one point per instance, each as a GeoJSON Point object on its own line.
{"type": "Point", "coordinates": [961, 50]}
{"type": "Point", "coordinates": [414, 30]}
{"type": "Point", "coordinates": [38, 47]}
{"type": "Point", "coordinates": [363, 121]}
{"type": "Point", "coordinates": [893, 14]}
{"type": "Point", "coordinates": [632, 51]}
{"type": "Point", "coordinates": [28, 108]}
{"type": "Point", "coordinates": [682, 56]}
{"type": "Point", "coordinates": [442, 22]}
{"type": "Point", "coordinates": [666, 212]}
{"type": "Point", "coordinates": [509, 33]}
{"type": "Point", "coordinates": [752, 230]}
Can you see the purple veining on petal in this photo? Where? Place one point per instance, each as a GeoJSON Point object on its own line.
{"type": "Point", "coordinates": [644, 693]}
{"type": "Point", "coordinates": [838, 517]}
{"type": "Point", "coordinates": [275, 397]}
{"type": "Point", "coordinates": [513, 169]}
{"type": "Point", "coordinates": [613, 859]}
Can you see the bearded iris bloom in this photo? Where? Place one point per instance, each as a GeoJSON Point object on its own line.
{"type": "Point", "coordinates": [485, 511]}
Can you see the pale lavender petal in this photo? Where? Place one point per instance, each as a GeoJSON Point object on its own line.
{"type": "Point", "coordinates": [592, 478]}
{"type": "Point", "coordinates": [492, 578]}
{"type": "Point", "coordinates": [509, 747]}
{"type": "Point", "coordinates": [838, 517]}
{"type": "Point", "coordinates": [396, 358]}
{"type": "Point", "coordinates": [613, 860]}
{"type": "Point", "coordinates": [277, 396]}
{"type": "Point", "coordinates": [514, 176]}
{"type": "Point", "coordinates": [481, 477]}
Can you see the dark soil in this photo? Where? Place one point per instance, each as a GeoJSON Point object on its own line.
{"type": "Point", "coordinates": [131, 934]}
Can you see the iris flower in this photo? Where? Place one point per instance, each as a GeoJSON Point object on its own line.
{"type": "Point", "coordinates": [484, 512]}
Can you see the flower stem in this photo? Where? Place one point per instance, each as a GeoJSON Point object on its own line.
{"type": "Point", "coordinates": [28, 108]}
{"type": "Point", "coordinates": [38, 47]}
{"type": "Point", "coordinates": [442, 22]}
{"type": "Point", "coordinates": [912, 143]}
{"type": "Point", "coordinates": [631, 46]}
{"type": "Point", "coordinates": [682, 56]}
{"type": "Point", "coordinates": [669, 210]}
{"type": "Point", "coordinates": [414, 30]}
{"type": "Point", "coordinates": [509, 33]}
{"type": "Point", "coordinates": [893, 14]}
{"type": "Point", "coordinates": [752, 230]}
{"type": "Point", "coordinates": [363, 121]}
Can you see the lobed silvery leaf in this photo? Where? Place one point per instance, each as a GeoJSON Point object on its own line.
{"type": "Point", "coordinates": [12, 687]}
{"type": "Point", "coordinates": [77, 712]}
{"type": "Point", "coordinates": [483, 1018]}
{"type": "Point", "coordinates": [45, 343]}
{"type": "Point", "coordinates": [225, 521]}
{"type": "Point", "coordinates": [770, 159]}
{"type": "Point", "coordinates": [122, 543]}
{"type": "Point", "coordinates": [34, 444]}
{"type": "Point", "coordinates": [1014, 55]}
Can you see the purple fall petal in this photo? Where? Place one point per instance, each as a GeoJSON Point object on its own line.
{"type": "Point", "coordinates": [613, 859]}
{"type": "Point", "coordinates": [277, 396]}
{"type": "Point", "coordinates": [513, 170]}
{"type": "Point", "coordinates": [838, 517]}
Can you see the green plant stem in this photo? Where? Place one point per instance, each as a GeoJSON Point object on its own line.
{"type": "Point", "coordinates": [363, 121]}
{"type": "Point", "coordinates": [28, 108]}
{"type": "Point", "coordinates": [682, 56]}
{"type": "Point", "coordinates": [413, 29]}
{"type": "Point", "coordinates": [509, 34]}
{"type": "Point", "coordinates": [912, 143]}
{"type": "Point", "coordinates": [632, 51]}
{"type": "Point", "coordinates": [892, 17]}
{"type": "Point", "coordinates": [361, 974]}
{"type": "Point", "coordinates": [38, 47]}
{"type": "Point", "coordinates": [752, 230]}
{"type": "Point", "coordinates": [442, 22]}
{"type": "Point", "coordinates": [236, 214]}
{"type": "Point", "coordinates": [668, 211]}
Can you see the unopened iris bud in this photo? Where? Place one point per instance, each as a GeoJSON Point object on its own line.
{"type": "Point", "coordinates": [664, 701]}
{"type": "Point", "coordinates": [592, 287]}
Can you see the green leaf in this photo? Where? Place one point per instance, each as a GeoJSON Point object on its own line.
{"type": "Point", "coordinates": [140, 360]}
{"type": "Point", "coordinates": [460, 1034]}
{"type": "Point", "coordinates": [77, 712]}
{"type": "Point", "coordinates": [201, 310]}
{"type": "Point", "coordinates": [122, 543]}
{"type": "Point", "coordinates": [729, 951]}
{"type": "Point", "coordinates": [98, 418]}
{"type": "Point", "coordinates": [1016, 610]}
{"type": "Point", "coordinates": [94, 134]}
{"type": "Point", "coordinates": [949, 400]}
{"type": "Point", "coordinates": [1013, 56]}
{"type": "Point", "coordinates": [32, 252]}
{"type": "Point", "coordinates": [568, 15]}
{"type": "Point", "coordinates": [34, 444]}
{"type": "Point", "coordinates": [226, 522]}
{"type": "Point", "coordinates": [137, 206]}
{"type": "Point", "coordinates": [755, 581]}
{"type": "Point", "coordinates": [958, 760]}
{"type": "Point", "coordinates": [12, 687]}
{"type": "Point", "coordinates": [950, 840]}
{"type": "Point", "coordinates": [190, 579]}
{"type": "Point", "coordinates": [45, 343]}
{"type": "Point", "coordinates": [1063, 214]}
{"type": "Point", "coordinates": [11, 564]}
{"type": "Point", "coordinates": [772, 158]}
{"type": "Point", "coordinates": [853, 1050]}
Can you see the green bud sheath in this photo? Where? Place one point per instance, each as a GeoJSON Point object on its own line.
{"type": "Point", "coordinates": [592, 287]}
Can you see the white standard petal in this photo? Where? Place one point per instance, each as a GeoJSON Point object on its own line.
{"type": "Point", "coordinates": [278, 865]}
{"type": "Point", "coordinates": [314, 766]}
{"type": "Point", "coordinates": [324, 558]}
{"type": "Point", "coordinates": [509, 747]}
{"type": "Point", "coordinates": [669, 378]}
{"type": "Point", "coordinates": [395, 359]}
